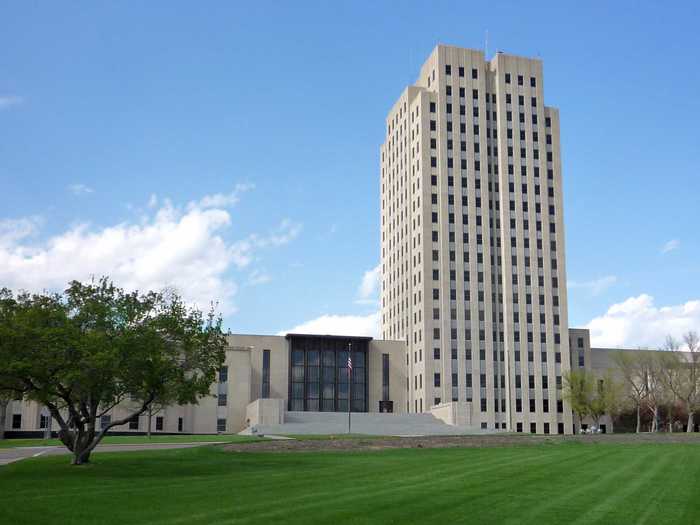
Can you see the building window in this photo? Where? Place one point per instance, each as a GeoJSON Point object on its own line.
{"type": "Point", "coordinates": [436, 380]}
{"type": "Point", "coordinates": [265, 394]}
{"type": "Point", "coordinates": [105, 421]}
{"type": "Point", "coordinates": [223, 400]}
{"type": "Point", "coordinates": [508, 82]}
{"type": "Point", "coordinates": [43, 421]}
{"type": "Point", "coordinates": [533, 428]}
{"type": "Point", "coordinates": [221, 425]}
{"type": "Point", "coordinates": [546, 428]}
{"type": "Point", "coordinates": [518, 427]}
{"type": "Point", "coordinates": [223, 374]}
{"type": "Point", "coordinates": [134, 423]}
{"type": "Point", "coordinates": [320, 375]}
{"type": "Point", "coordinates": [159, 423]}
{"type": "Point", "coordinates": [16, 421]}
{"type": "Point", "coordinates": [475, 74]}
{"type": "Point", "coordinates": [560, 428]}
{"type": "Point", "coordinates": [180, 424]}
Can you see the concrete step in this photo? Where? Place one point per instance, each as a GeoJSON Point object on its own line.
{"type": "Point", "coordinates": [363, 423]}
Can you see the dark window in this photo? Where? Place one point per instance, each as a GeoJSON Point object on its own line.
{"type": "Point", "coordinates": [461, 71]}
{"type": "Point", "coordinates": [105, 421]}
{"type": "Point", "coordinates": [223, 374]}
{"type": "Point", "coordinates": [180, 424]}
{"type": "Point", "coordinates": [16, 421]}
{"type": "Point", "coordinates": [223, 400]}
{"type": "Point", "coordinates": [436, 380]}
{"type": "Point", "coordinates": [159, 423]}
{"type": "Point", "coordinates": [265, 394]}
{"type": "Point", "coordinates": [533, 428]}
{"type": "Point", "coordinates": [320, 375]}
{"type": "Point", "coordinates": [475, 74]}
{"type": "Point", "coordinates": [221, 425]}
{"type": "Point", "coordinates": [507, 78]}
{"type": "Point", "coordinates": [448, 69]}
{"type": "Point", "coordinates": [134, 423]}
{"type": "Point", "coordinates": [385, 377]}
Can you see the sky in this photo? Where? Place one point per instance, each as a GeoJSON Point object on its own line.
{"type": "Point", "coordinates": [231, 150]}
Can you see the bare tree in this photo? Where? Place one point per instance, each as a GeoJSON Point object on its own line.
{"type": "Point", "coordinates": [657, 394]}
{"type": "Point", "coordinates": [634, 373]}
{"type": "Point", "coordinates": [681, 373]}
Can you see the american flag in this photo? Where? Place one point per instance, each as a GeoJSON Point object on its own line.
{"type": "Point", "coordinates": [349, 361]}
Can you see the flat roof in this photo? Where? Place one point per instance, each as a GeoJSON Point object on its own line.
{"type": "Point", "coordinates": [328, 336]}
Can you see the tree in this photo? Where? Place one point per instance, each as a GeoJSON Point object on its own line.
{"type": "Point", "coordinates": [82, 352]}
{"type": "Point", "coordinates": [605, 398]}
{"type": "Point", "coordinates": [681, 373]}
{"type": "Point", "coordinates": [658, 395]}
{"type": "Point", "coordinates": [4, 401]}
{"type": "Point", "coordinates": [577, 391]}
{"type": "Point", "coordinates": [634, 376]}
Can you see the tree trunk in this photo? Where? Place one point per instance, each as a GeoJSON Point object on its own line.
{"type": "Point", "coordinates": [639, 420]}
{"type": "Point", "coordinates": [81, 457]}
{"type": "Point", "coordinates": [691, 421]}
{"type": "Point", "coordinates": [3, 413]}
{"type": "Point", "coordinates": [654, 415]}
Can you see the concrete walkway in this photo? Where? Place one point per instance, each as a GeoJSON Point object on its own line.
{"type": "Point", "coordinates": [10, 455]}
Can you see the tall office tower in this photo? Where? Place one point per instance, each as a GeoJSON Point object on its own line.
{"type": "Point", "coordinates": [472, 242]}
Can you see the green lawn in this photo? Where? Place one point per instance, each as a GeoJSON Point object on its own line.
{"type": "Point", "coordinates": [549, 483]}
{"type": "Point", "coordinates": [126, 440]}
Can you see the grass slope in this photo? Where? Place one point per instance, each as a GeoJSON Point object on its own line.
{"type": "Point", "coordinates": [561, 483]}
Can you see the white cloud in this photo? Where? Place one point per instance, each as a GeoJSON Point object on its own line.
{"type": "Point", "coordinates": [79, 189]}
{"type": "Point", "coordinates": [369, 286]}
{"type": "Point", "coordinates": [671, 245]}
{"type": "Point", "coordinates": [222, 200]}
{"type": "Point", "coordinates": [7, 101]}
{"type": "Point", "coordinates": [595, 286]}
{"type": "Point", "coordinates": [166, 247]}
{"type": "Point", "coordinates": [637, 322]}
{"type": "Point", "coordinates": [358, 325]}
{"type": "Point", "coordinates": [14, 230]}
{"type": "Point", "coordinates": [258, 277]}
{"type": "Point", "coordinates": [285, 233]}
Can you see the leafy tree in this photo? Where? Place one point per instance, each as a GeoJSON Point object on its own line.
{"type": "Point", "coordinates": [605, 398]}
{"type": "Point", "coordinates": [82, 352]}
{"type": "Point", "coordinates": [577, 391]}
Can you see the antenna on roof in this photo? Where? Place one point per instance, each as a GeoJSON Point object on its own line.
{"type": "Point", "coordinates": [486, 46]}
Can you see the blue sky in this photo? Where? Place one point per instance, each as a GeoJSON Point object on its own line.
{"type": "Point", "coordinates": [118, 119]}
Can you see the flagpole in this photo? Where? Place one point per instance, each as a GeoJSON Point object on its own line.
{"type": "Point", "coordinates": [349, 365]}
